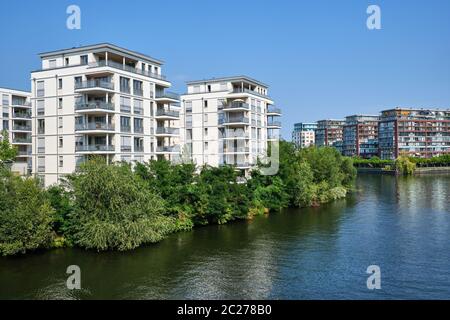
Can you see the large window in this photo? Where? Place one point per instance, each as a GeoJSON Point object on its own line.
{"type": "Point", "coordinates": [41, 126]}
{"type": "Point", "coordinates": [137, 88]}
{"type": "Point", "coordinates": [125, 143]}
{"type": "Point", "coordinates": [125, 125]}
{"type": "Point", "coordinates": [84, 59]}
{"type": "Point", "coordinates": [124, 85]}
{"type": "Point", "coordinates": [5, 100]}
{"type": "Point", "coordinates": [125, 104]}
{"type": "Point", "coordinates": [138, 125]}
{"type": "Point", "coordinates": [40, 91]}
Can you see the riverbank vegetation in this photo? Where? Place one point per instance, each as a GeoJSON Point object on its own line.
{"type": "Point", "coordinates": [123, 206]}
{"type": "Point", "coordinates": [403, 164]}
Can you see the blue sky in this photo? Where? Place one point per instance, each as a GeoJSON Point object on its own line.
{"type": "Point", "coordinates": [318, 57]}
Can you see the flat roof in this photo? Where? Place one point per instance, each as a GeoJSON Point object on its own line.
{"type": "Point", "coordinates": [13, 89]}
{"type": "Point", "coordinates": [100, 46]}
{"type": "Point", "coordinates": [416, 109]}
{"type": "Point", "coordinates": [233, 78]}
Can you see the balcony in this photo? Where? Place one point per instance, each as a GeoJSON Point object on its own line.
{"type": "Point", "coordinates": [125, 148]}
{"type": "Point", "coordinates": [236, 135]}
{"type": "Point", "coordinates": [167, 149]}
{"type": "Point", "coordinates": [21, 127]}
{"type": "Point", "coordinates": [94, 148]}
{"type": "Point", "coordinates": [16, 103]}
{"type": "Point", "coordinates": [94, 126]}
{"type": "Point", "coordinates": [248, 91]}
{"type": "Point", "coordinates": [163, 131]}
{"type": "Point", "coordinates": [138, 129]}
{"type": "Point", "coordinates": [22, 115]}
{"type": "Point", "coordinates": [123, 67]}
{"type": "Point", "coordinates": [273, 110]}
{"type": "Point", "coordinates": [23, 153]}
{"type": "Point", "coordinates": [22, 140]}
{"type": "Point", "coordinates": [94, 85]}
{"type": "Point", "coordinates": [138, 92]}
{"type": "Point", "coordinates": [236, 106]}
{"type": "Point", "coordinates": [167, 96]}
{"type": "Point", "coordinates": [235, 121]}
{"type": "Point", "coordinates": [276, 124]}
{"type": "Point", "coordinates": [169, 114]}
{"type": "Point", "coordinates": [124, 128]}
{"type": "Point", "coordinates": [236, 150]}
{"type": "Point", "coordinates": [95, 106]}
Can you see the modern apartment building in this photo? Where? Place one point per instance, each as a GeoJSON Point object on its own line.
{"type": "Point", "coordinates": [360, 136]}
{"type": "Point", "coordinates": [100, 100]}
{"type": "Point", "coordinates": [415, 132]}
{"type": "Point", "coordinates": [228, 121]}
{"type": "Point", "coordinates": [16, 119]}
{"type": "Point", "coordinates": [328, 132]}
{"type": "Point", "coordinates": [304, 134]}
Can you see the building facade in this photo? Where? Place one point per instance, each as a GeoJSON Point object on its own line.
{"type": "Point", "coordinates": [329, 132]}
{"type": "Point", "coordinates": [228, 121]}
{"type": "Point", "coordinates": [303, 135]}
{"type": "Point", "coordinates": [100, 100]}
{"type": "Point", "coordinates": [360, 136]}
{"type": "Point", "coordinates": [421, 133]}
{"type": "Point", "coordinates": [16, 120]}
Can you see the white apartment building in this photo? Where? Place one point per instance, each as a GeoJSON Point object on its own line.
{"type": "Point", "coordinates": [16, 119]}
{"type": "Point", "coordinates": [100, 100]}
{"type": "Point", "coordinates": [303, 134]}
{"type": "Point", "coordinates": [228, 121]}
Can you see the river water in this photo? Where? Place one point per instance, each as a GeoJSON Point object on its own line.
{"type": "Point", "coordinates": [401, 225]}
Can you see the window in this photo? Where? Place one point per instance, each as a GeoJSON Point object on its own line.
{"type": "Point", "coordinates": [40, 91]}
{"type": "Point", "coordinates": [61, 161]}
{"type": "Point", "coordinates": [78, 80]}
{"type": "Point", "coordinates": [84, 59]}
{"type": "Point", "coordinates": [41, 164]}
{"type": "Point", "coordinates": [138, 106]}
{"type": "Point", "coordinates": [5, 112]}
{"type": "Point", "coordinates": [40, 107]}
{"type": "Point", "coordinates": [5, 125]}
{"type": "Point", "coordinates": [143, 66]}
{"type": "Point", "coordinates": [41, 126]}
{"type": "Point", "coordinates": [156, 70]}
{"type": "Point", "coordinates": [66, 61]}
{"type": "Point", "coordinates": [206, 146]}
{"type": "Point", "coordinates": [124, 85]}
{"type": "Point", "coordinates": [60, 85]}
{"type": "Point", "coordinates": [138, 125]}
{"type": "Point", "coordinates": [5, 100]}
{"type": "Point", "coordinates": [125, 143]}
{"type": "Point", "coordinates": [206, 132]}
{"type": "Point", "coordinates": [137, 88]}
{"type": "Point", "coordinates": [188, 134]}
{"type": "Point", "coordinates": [206, 103]}
{"type": "Point", "coordinates": [41, 145]}
{"type": "Point", "coordinates": [138, 144]}
{"type": "Point", "coordinates": [125, 104]}
{"type": "Point", "coordinates": [125, 124]}
{"type": "Point", "coordinates": [52, 63]}
{"type": "Point", "coordinates": [60, 142]}
{"type": "Point", "coordinates": [60, 122]}
{"type": "Point", "coordinates": [60, 103]}
{"type": "Point", "coordinates": [205, 119]}
{"type": "Point", "coordinates": [209, 88]}
{"type": "Point", "coordinates": [188, 106]}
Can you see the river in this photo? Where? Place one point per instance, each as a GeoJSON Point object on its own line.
{"type": "Point", "coordinates": [400, 224]}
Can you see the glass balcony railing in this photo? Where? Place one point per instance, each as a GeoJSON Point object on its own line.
{"type": "Point", "coordinates": [97, 105]}
{"type": "Point", "coordinates": [236, 134]}
{"type": "Point", "coordinates": [167, 149]}
{"type": "Point", "coordinates": [21, 127]}
{"type": "Point", "coordinates": [94, 126]}
{"type": "Point", "coordinates": [24, 115]}
{"type": "Point", "coordinates": [21, 140]}
{"type": "Point", "coordinates": [125, 108]}
{"type": "Point", "coordinates": [94, 84]}
{"type": "Point", "coordinates": [274, 123]}
{"type": "Point", "coordinates": [121, 66]}
{"type": "Point", "coordinates": [163, 130]}
{"type": "Point", "coordinates": [243, 120]}
{"type": "Point", "coordinates": [237, 105]}
{"type": "Point", "coordinates": [272, 109]}
{"type": "Point", "coordinates": [167, 94]}
{"type": "Point", "coordinates": [168, 113]}
{"type": "Point", "coordinates": [94, 147]}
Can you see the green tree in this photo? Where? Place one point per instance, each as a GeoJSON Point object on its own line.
{"type": "Point", "coordinates": [25, 215]}
{"type": "Point", "coordinates": [7, 151]}
{"type": "Point", "coordinates": [114, 208]}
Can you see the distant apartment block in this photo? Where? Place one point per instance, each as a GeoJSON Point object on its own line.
{"type": "Point", "coordinates": [100, 100]}
{"type": "Point", "coordinates": [304, 134]}
{"type": "Point", "coordinates": [360, 136]}
{"type": "Point", "coordinates": [16, 120]}
{"type": "Point", "coordinates": [228, 121]}
{"type": "Point", "coordinates": [414, 132]}
{"type": "Point", "coordinates": [329, 132]}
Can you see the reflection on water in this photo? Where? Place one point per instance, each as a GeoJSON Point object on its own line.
{"type": "Point", "coordinates": [400, 224]}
